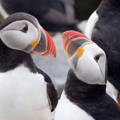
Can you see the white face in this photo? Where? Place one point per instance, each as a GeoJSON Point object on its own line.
{"type": "Point", "coordinates": [90, 67]}
{"type": "Point", "coordinates": [18, 34]}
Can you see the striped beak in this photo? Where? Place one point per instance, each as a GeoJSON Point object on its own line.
{"type": "Point", "coordinates": [73, 42]}
{"type": "Point", "coordinates": [43, 46]}
{"type": "Point", "coordinates": [50, 46]}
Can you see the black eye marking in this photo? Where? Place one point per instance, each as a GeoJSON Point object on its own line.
{"type": "Point", "coordinates": [97, 57]}
{"type": "Point", "coordinates": [25, 29]}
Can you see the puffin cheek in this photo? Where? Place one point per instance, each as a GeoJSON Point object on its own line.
{"type": "Point", "coordinates": [14, 39]}
{"type": "Point", "coordinates": [88, 70]}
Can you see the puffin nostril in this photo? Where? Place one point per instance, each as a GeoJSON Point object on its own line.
{"type": "Point", "coordinates": [97, 57]}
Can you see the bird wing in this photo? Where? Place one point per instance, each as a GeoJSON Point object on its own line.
{"type": "Point", "coordinates": [52, 93]}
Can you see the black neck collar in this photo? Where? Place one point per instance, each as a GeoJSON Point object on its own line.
{"type": "Point", "coordinates": [77, 90]}
{"type": "Point", "coordinates": [10, 59]}
{"type": "Point", "coordinates": [91, 98]}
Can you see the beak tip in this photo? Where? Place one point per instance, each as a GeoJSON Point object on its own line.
{"type": "Point", "coordinates": [55, 55]}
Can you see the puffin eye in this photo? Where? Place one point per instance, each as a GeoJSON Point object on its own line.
{"type": "Point", "coordinates": [24, 29]}
{"type": "Point", "coordinates": [97, 57]}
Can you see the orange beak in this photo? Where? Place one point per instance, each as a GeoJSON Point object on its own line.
{"type": "Point", "coordinates": [45, 46]}
{"type": "Point", "coordinates": [70, 36]}
{"type": "Point", "coordinates": [50, 46]}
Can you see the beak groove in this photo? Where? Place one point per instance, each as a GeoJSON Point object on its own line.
{"type": "Point", "coordinates": [45, 46]}
{"type": "Point", "coordinates": [70, 36]}
{"type": "Point", "coordinates": [50, 46]}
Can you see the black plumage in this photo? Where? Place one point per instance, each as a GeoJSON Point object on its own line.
{"type": "Point", "coordinates": [106, 35]}
{"type": "Point", "coordinates": [91, 98]}
{"type": "Point", "coordinates": [11, 59]}
{"type": "Point", "coordinates": [53, 15]}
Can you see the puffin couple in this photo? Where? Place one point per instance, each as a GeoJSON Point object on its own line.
{"type": "Point", "coordinates": [27, 93]}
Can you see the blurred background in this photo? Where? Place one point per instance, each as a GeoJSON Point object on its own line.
{"type": "Point", "coordinates": [55, 16]}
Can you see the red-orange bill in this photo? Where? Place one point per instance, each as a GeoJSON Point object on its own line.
{"type": "Point", "coordinates": [50, 46]}
{"type": "Point", "coordinates": [70, 36]}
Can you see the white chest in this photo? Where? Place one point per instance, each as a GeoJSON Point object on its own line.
{"type": "Point", "coordinates": [23, 96]}
{"type": "Point", "coordinates": [112, 91]}
{"type": "Point", "coordinates": [66, 110]}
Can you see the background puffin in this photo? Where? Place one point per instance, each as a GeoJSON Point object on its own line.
{"type": "Point", "coordinates": [26, 92]}
{"type": "Point", "coordinates": [84, 96]}
{"type": "Point", "coordinates": [48, 12]}
{"type": "Point", "coordinates": [103, 28]}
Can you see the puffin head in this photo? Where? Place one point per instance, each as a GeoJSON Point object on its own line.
{"type": "Point", "coordinates": [22, 31]}
{"type": "Point", "coordinates": [87, 60]}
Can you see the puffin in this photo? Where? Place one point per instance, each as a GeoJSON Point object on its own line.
{"type": "Point", "coordinates": [48, 12]}
{"type": "Point", "coordinates": [84, 96]}
{"type": "Point", "coordinates": [102, 28]}
{"type": "Point", "coordinates": [26, 92]}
